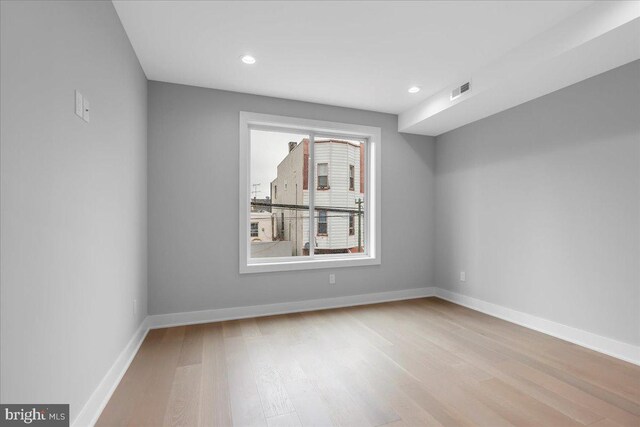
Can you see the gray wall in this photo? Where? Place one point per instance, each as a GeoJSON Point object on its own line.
{"type": "Point", "coordinates": [193, 205]}
{"type": "Point", "coordinates": [73, 198]}
{"type": "Point", "coordinates": [540, 205]}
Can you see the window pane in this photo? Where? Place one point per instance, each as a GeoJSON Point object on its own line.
{"type": "Point", "coordinates": [279, 194]}
{"type": "Point", "coordinates": [322, 222]}
{"type": "Point", "coordinates": [352, 179]}
{"type": "Point", "coordinates": [323, 176]}
{"type": "Point", "coordinates": [340, 203]}
{"type": "Point", "coordinates": [352, 223]}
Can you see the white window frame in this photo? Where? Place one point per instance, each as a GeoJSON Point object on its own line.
{"type": "Point", "coordinates": [325, 187]}
{"type": "Point", "coordinates": [351, 225]}
{"type": "Point", "coordinates": [325, 222]}
{"type": "Point", "coordinates": [352, 178]}
{"type": "Point", "coordinates": [373, 185]}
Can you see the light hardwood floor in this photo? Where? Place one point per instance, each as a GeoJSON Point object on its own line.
{"type": "Point", "coordinates": [423, 362]}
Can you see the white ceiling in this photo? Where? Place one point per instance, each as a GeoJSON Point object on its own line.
{"type": "Point", "coordinates": [601, 37]}
{"type": "Point", "coordinates": [351, 53]}
{"type": "Point", "coordinates": [355, 54]}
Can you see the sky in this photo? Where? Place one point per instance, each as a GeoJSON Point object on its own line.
{"type": "Point", "coordinates": [267, 151]}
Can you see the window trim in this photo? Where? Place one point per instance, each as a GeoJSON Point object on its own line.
{"type": "Point", "coordinates": [372, 189]}
{"type": "Point", "coordinates": [352, 178]}
{"type": "Point", "coordinates": [326, 224]}
{"type": "Point", "coordinates": [257, 224]}
{"type": "Point", "coordinates": [326, 187]}
{"type": "Point", "coordinates": [352, 224]}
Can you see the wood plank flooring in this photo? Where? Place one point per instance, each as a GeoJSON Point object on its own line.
{"type": "Point", "coordinates": [424, 362]}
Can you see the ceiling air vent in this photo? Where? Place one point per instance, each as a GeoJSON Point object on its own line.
{"type": "Point", "coordinates": [457, 92]}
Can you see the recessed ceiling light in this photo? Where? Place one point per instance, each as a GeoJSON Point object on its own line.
{"type": "Point", "coordinates": [248, 59]}
{"type": "Point", "coordinates": [414, 89]}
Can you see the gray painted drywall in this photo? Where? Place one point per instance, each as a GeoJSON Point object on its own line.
{"type": "Point", "coordinates": [73, 199]}
{"type": "Point", "coordinates": [540, 205]}
{"type": "Point", "coordinates": [193, 205]}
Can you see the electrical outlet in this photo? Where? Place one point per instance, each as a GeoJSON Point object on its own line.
{"type": "Point", "coordinates": [463, 276]}
{"type": "Point", "coordinates": [332, 279]}
{"type": "Point", "coordinates": [135, 306]}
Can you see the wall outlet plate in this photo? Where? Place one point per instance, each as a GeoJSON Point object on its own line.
{"type": "Point", "coordinates": [332, 279]}
{"type": "Point", "coordinates": [463, 276]}
{"type": "Point", "coordinates": [79, 106]}
{"type": "Point", "coordinates": [86, 108]}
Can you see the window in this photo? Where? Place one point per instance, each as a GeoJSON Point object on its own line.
{"type": "Point", "coordinates": [352, 228]}
{"type": "Point", "coordinates": [281, 231]}
{"type": "Point", "coordinates": [352, 177]}
{"type": "Point", "coordinates": [322, 223]}
{"type": "Point", "coordinates": [323, 176]}
{"type": "Point", "coordinates": [293, 225]}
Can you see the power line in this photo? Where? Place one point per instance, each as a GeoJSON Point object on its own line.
{"type": "Point", "coordinates": [255, 190]}
{"type": "Point", "coordinates": [297, 217]}
{"type": "Point", "coordinates": [305, 207]}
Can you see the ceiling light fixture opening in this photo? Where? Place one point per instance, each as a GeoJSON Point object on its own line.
{"type": "Point", "coordinates": [248, 59]}
{"type": "Point", "coordinates": [414, 89]}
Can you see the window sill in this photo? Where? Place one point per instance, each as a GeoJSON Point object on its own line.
{"type": "Point", "coordinates": [324, 261]}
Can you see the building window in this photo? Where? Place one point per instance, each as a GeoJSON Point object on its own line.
{"type": "Point", "coordinates": [322, 223]}
{"type": "Point", "coordinates": [281, 231]}
{"type": "Point", "coordinates": [323, 176]}
{"type": "Point", "coordinates": [277, 151]}
{"type": "Point", "coordinates": [352, 177]}
{"type": "Point", "coordinates": [352, 227]}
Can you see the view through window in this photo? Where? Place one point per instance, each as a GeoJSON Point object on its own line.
{"type": "Point", "coordinates": [284, 195]}
{"type": "Point", "coordinates": [338, 200]}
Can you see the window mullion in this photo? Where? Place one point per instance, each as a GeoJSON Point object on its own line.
{"type": "Point", "coordinates": [312, 195]}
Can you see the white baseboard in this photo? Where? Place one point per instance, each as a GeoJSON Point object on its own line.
{"type": "Point", "coordinates": [217, 315]}
{"type": "Point", "coordinates": [91, 411]}
{"type": "Point", "coordinates": [98, 400]}
{"type": "Point", "coordinates": [620, 350]}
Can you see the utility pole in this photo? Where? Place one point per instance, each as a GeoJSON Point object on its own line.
{"type": "Point", "coordinates": [255, 190]}
{"type": "Point", "coordinates": [359, 202]}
